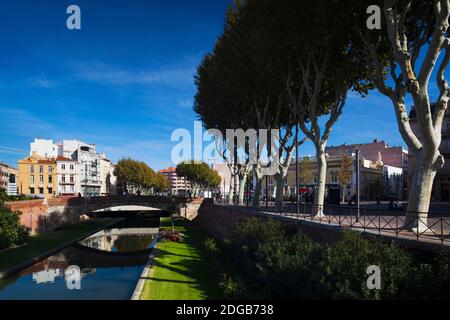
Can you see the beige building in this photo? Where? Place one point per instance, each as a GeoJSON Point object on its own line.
{"type": "Point", "coordinates": [376, 179]}
{"type": "Point", "coordinates": [37, 176]}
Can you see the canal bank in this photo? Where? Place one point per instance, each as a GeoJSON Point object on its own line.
{"type": "Point", "coordinates": [110, 263]}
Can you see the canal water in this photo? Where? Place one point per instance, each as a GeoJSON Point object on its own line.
{"type": "Point", "coordinates": [106, 265]}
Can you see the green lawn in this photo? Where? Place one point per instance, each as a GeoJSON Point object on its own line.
{"type": "Point", "coordinates": [42, 243]}
{"type": "Point", "coordinates": [180, 270]}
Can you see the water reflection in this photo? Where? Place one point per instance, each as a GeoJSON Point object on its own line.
{"type": "Point", "coordinates": [110, 263]}
{"type": "Point", "coordinates": [121, 240]}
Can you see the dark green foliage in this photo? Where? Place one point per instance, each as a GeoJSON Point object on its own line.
{"type": "Point", "coordinates": [11, 231]}
{"type": "Point", "coordinates": [5, 198]}
{"type": "Point", "coordinates": [261, 260]}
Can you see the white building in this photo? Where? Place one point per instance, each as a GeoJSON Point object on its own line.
{"type": "Point", "coordinates": [85, 171]}
{"type": "Point", "coordinates": [393, 180]}
{"type": "Point", "coordinates": [68, 174]}
{"type": "Point", "coordinates": [46, 148]}
{"type": "Point", "coordinates": [8, 176]}
{"type": "Point", "coordinates": [225, 175]}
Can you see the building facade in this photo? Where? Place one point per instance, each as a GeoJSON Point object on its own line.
{"type": "Point", "coordinates": [68, 173]}
{"type": "Point", "coordinates": [392, 156]}
{"type": "Point", "coordinates": [80, 169]}
{"type": "Point", "coordinates": [441, 185]}
{"type": "Point", "coordinates": [8, 179]}
{"type": "Point", "coordinates": [377, 180]}
{"type": "Point", "coordinates": [178, 185]}
{"type": "Point", "coordinates": [107, 177]}
{"type": "Point", "coordinates": [37, 176]}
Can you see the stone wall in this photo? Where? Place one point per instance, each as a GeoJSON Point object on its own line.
{"type": "Point", "coordinates": [32, 212]}
{"type": "Point", "coordinates": [219, 221]}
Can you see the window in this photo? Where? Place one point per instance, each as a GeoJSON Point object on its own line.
{"type": "Point", "coordinates": [71, 167]}
{"type": "Point", "coordinates": [50, 179]}
{"type": "Point", "coordinates": [41, 190]}
{"type": "Point", "coordinates": [32, 169]}
{"type": "Point", "coordinates": [63, 179]}
{"type": "Point", "coordinates": [31, 190]}
{"type": "Point", "coordinates": [41, 169]}
{"type": "Point", "coordinates": [50, 169]}
{"type": "Point", "coordinates": [50, 190]}
{"type": "Point", "coordinates": [31, 179]}
{"type": "Point", "coordinates": [334, 179]}
{"type": "Point", "coordinates": [71, 178]}
{"type": "Point", "coordinates": [63, 167]}
{"type": "Point", "coordinates": [41, 179]}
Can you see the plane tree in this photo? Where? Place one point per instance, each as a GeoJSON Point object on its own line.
{"type": "Point", "coordinates": [325, 63]}
{"type": "Point", "coordinates": [411, 48]}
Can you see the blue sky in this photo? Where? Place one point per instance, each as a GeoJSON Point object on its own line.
{"type": "Point", "coordinates": [125, 81]}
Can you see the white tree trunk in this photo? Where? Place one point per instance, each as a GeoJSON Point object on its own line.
{"type": "Point", "coordinates": [242, 183]}
{"type": "Point", "coordinates": [319, 198]}
{"type": "Point", "coordinates": [231, 192]}
{"type": "Point", "coordinates": [258, 178]}
{"type": "Point", "coordinates": [425, 168]}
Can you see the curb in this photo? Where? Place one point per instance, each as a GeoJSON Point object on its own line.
{"type": "Point", "coordinates": [140, 284]}
{"type": "Point", "coordinates": [47, 254]}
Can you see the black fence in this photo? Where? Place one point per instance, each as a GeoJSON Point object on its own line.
{"type": "Point", "coordinates": [418, 226]}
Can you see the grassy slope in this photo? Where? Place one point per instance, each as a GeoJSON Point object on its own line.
{"type": "Point", "coordinates": [180, 270]}
{"type": "Point", "coordinates": [42, 243]}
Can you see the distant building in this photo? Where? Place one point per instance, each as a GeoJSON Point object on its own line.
{"type": "Point", "coordinates": [376, 180]}
{"type": "Point", "coordinates": [107, 177]}
{"type": "Point", "coordinates": [178, 185]}
{"type": "Point", "coordinates": [68, 174]}
{"type": "Point", "coordinates": [392, 156]}
{"type": "Point", "coordinates": [225, 175]}
{"type": "Point", "coordinates": [441, 185]}
{"type": "Point", "coordinates": [37, 176]}
{"type": "Point", "coordinates": [80, 169]}
{"type": "Point", "coordinates": [8, 177]}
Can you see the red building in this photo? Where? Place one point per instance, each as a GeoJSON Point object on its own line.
{"type": "Point", "coordinates": [391, 156]}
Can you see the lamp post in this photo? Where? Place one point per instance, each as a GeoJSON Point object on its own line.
{"type": "Point", "coordinates": [357, 185]}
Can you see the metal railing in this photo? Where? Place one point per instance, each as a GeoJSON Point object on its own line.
{"type": "Point", "coordinates": [390, 222]}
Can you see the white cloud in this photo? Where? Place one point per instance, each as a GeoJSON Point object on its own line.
{"type": "Point", "coordinates": [101, 73]}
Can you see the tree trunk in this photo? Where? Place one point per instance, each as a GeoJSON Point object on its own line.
{"type": "Point", "coordinates": [319, 197]}
{"type": "Point", "coordinates": [236, 188]}
{"type": "Point", "coordinates": [231, 192]}
{"type": "Point", "coordinates": [257, 193]}
{"type": "Point", "coordinates": [279, 178]}
{"type": "Point", "coordinates": [425, 168]}
{"type": "Point", "coordinates": [242, 182]}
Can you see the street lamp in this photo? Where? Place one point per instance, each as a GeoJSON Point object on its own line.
{"type": "Point", "coordinates": [357, 184]}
